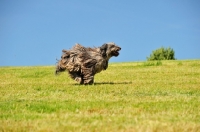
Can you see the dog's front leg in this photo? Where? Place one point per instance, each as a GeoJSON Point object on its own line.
{"type": "Point", "coordinates": [88, 75]}
{"type": "Point", "coordinates": [89, 80]}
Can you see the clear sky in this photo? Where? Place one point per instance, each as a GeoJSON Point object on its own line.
{"type": "Point", "coordinates": [34, 32]}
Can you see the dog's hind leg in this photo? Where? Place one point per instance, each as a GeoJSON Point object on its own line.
{"type": "Point", "coordinates": [76, 76]}
{"type": "Point", "coordinates": [79, 80]}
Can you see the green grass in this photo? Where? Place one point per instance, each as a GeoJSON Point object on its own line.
{"type": "Point", "coordinates": [135, 96]}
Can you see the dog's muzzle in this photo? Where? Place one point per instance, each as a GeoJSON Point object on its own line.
{"type": "Point", "coordinates": [116, 52]}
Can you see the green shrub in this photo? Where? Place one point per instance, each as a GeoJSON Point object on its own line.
{"type": "Point", "coordinates": [162, 54]}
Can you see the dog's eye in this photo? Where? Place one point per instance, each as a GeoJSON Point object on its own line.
{"type": "Point", "coordinates": [112, 46]}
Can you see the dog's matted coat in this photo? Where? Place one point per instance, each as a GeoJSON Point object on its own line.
{"type": "Point", "coordinates": [83, 63]}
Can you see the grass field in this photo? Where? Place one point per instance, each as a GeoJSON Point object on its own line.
{"type": "Point", "coordinates": [135, 96]}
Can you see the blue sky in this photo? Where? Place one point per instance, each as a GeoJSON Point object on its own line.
{"type": "Point", "coordinates": [33, 32]}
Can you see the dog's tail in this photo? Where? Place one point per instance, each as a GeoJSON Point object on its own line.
{"type": "Point", "coordinates": [59, 67]}
{"type": "Point", "coordinates": [61, 64]}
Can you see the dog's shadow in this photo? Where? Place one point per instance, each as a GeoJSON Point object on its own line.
{"type": "Point", "coordinates": [102, 83]}
{"type": "Point", "coordinates": [112, 83]}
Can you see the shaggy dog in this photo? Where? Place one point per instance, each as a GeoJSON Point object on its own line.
{"type": "Point", "coordinates": [83, 63]}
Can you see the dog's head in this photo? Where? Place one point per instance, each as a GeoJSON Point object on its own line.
{"type": "Point", "coordinates": [110, 49]}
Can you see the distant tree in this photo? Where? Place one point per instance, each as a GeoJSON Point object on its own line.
{"type": "Point", "coordinates": [162, 54]}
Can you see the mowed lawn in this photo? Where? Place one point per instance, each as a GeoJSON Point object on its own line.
{"type": "Point", "coordinates": [135, 96]}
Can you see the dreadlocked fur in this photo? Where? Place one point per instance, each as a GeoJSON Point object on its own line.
{"type": "Point", "coordinates": [83, 63]}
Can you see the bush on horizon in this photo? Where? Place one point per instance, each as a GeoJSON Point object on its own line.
{"type": "Point", "coordinates": [162, 54]}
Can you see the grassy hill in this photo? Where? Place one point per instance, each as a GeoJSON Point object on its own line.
{"type": "Point", "coordinates": [135, 96]}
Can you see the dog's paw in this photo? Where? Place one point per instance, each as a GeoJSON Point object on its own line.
{"type": "Point", "coordinates": [79, 79]}
{"type": "Point", "coordinates": [89, 81]}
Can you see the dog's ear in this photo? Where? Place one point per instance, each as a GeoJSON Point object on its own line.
{"type": "Point", "coordinates": [103, 49]}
